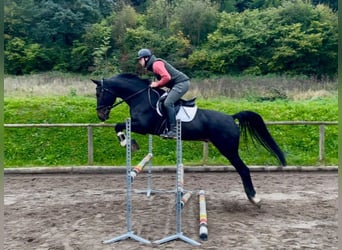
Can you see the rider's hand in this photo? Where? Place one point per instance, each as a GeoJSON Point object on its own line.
{"type": "Point", "coordinates": [154, 84]}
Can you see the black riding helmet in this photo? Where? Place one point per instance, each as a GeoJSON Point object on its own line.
{"type": "Point", "coordinates": [144, 53]}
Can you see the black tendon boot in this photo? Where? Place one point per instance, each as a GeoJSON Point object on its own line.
{"type": "Point", "coordinates": [171, 124]}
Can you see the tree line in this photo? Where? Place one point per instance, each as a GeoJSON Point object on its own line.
{"type": "Point", "coordinates": [201, 37]}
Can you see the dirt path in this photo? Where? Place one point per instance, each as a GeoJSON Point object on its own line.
{"type": "Point", "coordinates": [299, 211]}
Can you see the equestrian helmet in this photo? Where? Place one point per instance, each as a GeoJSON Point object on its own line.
{"type": "Point", "coordinates": [144, 53]}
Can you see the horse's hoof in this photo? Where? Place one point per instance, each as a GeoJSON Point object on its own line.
{"type": "Point", "coordinates": [255, 201]}
{"type": "Point", "coordinates": [134, 145]}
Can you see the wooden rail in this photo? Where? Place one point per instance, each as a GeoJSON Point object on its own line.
{"type": "Point", "coordinates": [90, 127]}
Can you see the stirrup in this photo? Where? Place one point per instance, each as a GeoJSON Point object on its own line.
{"type": "Point", "coordinates": [169, 134]}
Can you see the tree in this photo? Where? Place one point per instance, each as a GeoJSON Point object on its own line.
{"type": "Point", "coordinates": [195, 19]}
{"type": "Point", "coordinates": [23, 58]}
{"type": "Point", "coordinates": [226, 5]}
{"type": "Point", "coordinates": [18, 19]}
{"type": "Point", "coordinates": [82, 35]}
{"type": "Point", "coordinates": [240, 43]}
{"type": "Point", "coordinates": [53, 24]}
{"type": "Point", "coordinates": [307, 40]}
{"type": "Point", "coordinates": [158, 16]}
{"type": "Point", "coordinates": [59, 22]}
{"type": "Point", "coordinates": [120, 21]}
{"type": "Point", "coordinates": [333, 4]}
{"type": "Point", "coordinates": [94, 51]}
{"type": "Point", "coordinates": [14, 55]}
{"type": "Point", "coordinates": [296, 38]}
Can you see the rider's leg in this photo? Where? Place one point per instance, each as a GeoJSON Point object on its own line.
{"type": "Point", "coordinates": [171, 122]}
{"type": "Point", "coordinates": [174, 95]}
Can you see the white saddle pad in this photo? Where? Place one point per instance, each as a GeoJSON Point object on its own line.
{"type": "Point", "coordinates": [185, 114]}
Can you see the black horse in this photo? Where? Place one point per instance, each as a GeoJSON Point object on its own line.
{"type": "Point", "coordinates": [216, 127]}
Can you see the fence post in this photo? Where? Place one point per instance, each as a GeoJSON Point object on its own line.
{"type": "Point", "coordinates": [321, 142]}
{"type": "Point", "coordinates": [205, 153]}
{"type": "Point", "coordinates": [90, 146]}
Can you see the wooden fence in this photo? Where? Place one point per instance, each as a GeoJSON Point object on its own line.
{"type": "Point", "coordinates": [321, 125]}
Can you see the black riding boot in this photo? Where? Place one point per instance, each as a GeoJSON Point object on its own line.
{"type": "Point", "coordinates": [171, 124]}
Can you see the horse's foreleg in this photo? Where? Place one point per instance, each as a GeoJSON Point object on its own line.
{"type": "Point", "coordinates": [119, 129]}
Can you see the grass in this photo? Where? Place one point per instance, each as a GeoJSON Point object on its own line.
{"type": "Point", "coordinates": [247, 87]}
{"type": "Point", "coordinates": [58, 98]}
{"type": "Point", "coordinates": [48, 84]}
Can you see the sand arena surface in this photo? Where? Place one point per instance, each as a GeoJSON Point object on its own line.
{"type": "Point", "coordinates": [79, 211]}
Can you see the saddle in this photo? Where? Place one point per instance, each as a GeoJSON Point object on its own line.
{"type": "Point", "coordinates": [185, 109]}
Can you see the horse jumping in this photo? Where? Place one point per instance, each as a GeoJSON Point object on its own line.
{"type": "Point", "coordinates": [208, 125]}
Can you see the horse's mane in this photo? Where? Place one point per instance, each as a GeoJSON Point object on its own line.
{"type": "Point", "coordinates": [133, 81]}
{"type": "Point", "coordinates": [132, 77]}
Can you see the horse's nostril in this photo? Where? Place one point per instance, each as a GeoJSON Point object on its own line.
{"type": "Point", "coordinates": [101, 116]}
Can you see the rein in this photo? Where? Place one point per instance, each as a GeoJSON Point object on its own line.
{"type": "Point", "coordinates": [127, 98]}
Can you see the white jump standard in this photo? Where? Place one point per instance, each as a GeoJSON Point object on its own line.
{"type": "Point", "coordinates": [129, 234]}
{"type": "Point", "coordinates": [179, 190]}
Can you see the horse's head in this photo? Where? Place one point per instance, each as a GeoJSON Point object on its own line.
{"type": "Point", "coordinates": [105, 100]}
{"type": "Point", "coordinates": [128, 87]}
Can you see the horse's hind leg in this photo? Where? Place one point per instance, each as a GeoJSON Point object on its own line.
{"type": "Point", "coordinates": [230, 151]}
{"type": "Point", "coordinates": [245, 175]}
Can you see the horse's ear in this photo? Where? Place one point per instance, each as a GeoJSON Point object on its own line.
{"type": "Point", "coordinates": [97, 82]}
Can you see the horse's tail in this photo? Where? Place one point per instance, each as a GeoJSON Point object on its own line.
{"type": "Point", "coordinates": [254, 124]}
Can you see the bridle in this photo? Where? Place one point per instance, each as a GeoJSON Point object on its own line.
{"type": "Point", "coordinates": [103, 89]}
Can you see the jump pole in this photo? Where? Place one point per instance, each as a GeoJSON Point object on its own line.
{"type": "Point", "coordinates": [203, 230]}
{"type": "Point", "coordinates": [139, 168]}
{"type": "Point", "coordinates": [129, 234]}
{"type": "Point", "coordinates": [179, 190]}
{"type": "Point", "coordinates": [185, 198]}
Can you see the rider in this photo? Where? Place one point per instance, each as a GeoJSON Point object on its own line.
{"type": "Point", "coordinates": [177, 82]}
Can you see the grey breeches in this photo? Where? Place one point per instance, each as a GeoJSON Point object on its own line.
{"type": "Point", "coordinates": [176, 93]}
